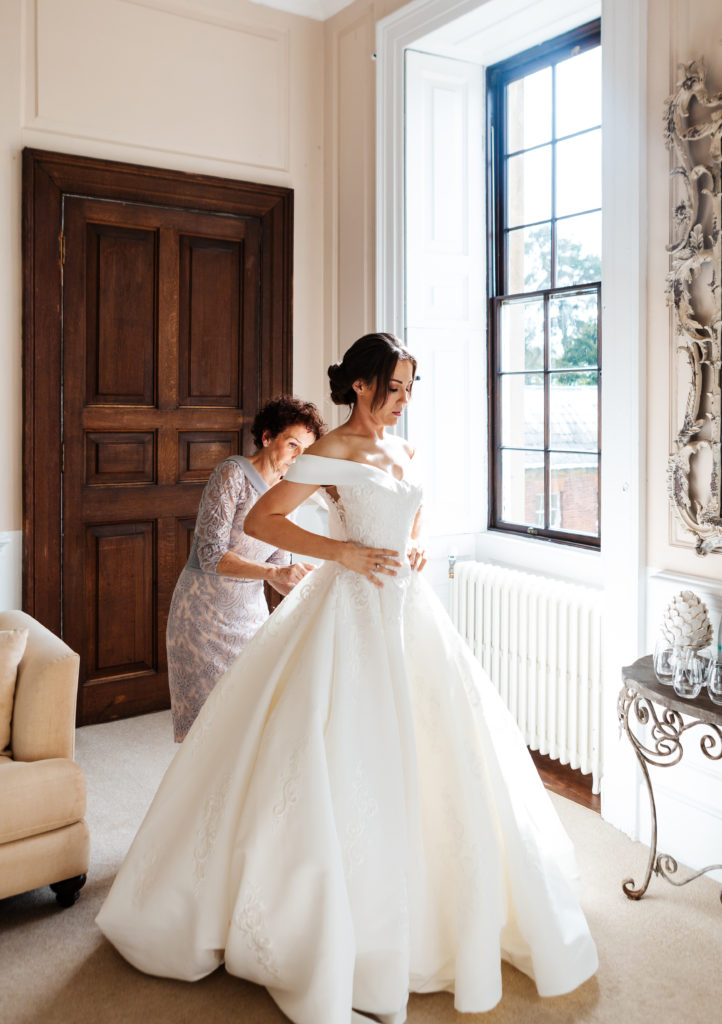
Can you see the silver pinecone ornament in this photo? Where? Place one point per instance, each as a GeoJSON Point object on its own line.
{"type": "Point", "coordinates": [686, 622]}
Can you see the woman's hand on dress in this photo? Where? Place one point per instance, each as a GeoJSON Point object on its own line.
{"type": "Point", "coordinates": [369, 562]}
{"type": "Point", "coordinates": [287, 576]}
{"type": "Point", "coordinates": [416, 555]}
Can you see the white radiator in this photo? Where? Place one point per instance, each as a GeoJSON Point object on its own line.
{"type": "Point", "coordinates": [540, 642]}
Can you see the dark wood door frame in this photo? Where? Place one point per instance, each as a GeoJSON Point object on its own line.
{"type": "Point", "coordinates": [47, 179]}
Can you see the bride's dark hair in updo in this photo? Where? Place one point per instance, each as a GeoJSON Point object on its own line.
{"type": "Point", "coordinates": [371, 359]}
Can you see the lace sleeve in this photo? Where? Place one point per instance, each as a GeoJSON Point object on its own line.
{"type": "Point", "coordinates": [226, 492]}
{"type": "Point", "coordinates": [279, 557]}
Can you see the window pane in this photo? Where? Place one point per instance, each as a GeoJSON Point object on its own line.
{"type": "Point", "coordinates": [579, 173]}
{"type": "Point", "coordinates": [529, 259]}
{"type": "Point", "coordinates": [546, 289]}
{"type": "Point", "coordinates": [522, 335]}
{"type": "Point", "coordinates": [579, 249]}
{"type": "Point", "coordinates": [522, 410]}
{"type": "Point", "coordinates": [529, 111]}
{"type": "Point", "coordinates": [575, 478]}
{"type": "Point", "coordinates": [573, 331]}
{"type": "Point", "coordinates": [529, 187]}
{"type": "Point", "coordinates": [573, 412]}
{"type": "Point", "coordinates": [579, 92]}
{"type": "Point", "coordinates": [555, 514]}
{"type": "Point", "coordinates": [522, 483]}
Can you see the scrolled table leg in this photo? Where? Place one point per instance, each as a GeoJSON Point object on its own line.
{"type": "Point", "coordinates": [667, 867]}
{"type": "Point", "coordinates": [625, 703]}
{"type": "Point", "coordinates": [665, 719]}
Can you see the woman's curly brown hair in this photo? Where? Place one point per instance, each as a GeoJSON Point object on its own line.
{"type": "Point", "coordinates": [286, 411]}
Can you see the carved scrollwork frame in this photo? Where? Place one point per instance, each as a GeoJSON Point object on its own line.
{"type": "Point", "coordinates": [693, 130]}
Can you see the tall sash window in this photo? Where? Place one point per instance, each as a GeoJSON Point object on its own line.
{"type": "Point", "coordinates": [544, 272]}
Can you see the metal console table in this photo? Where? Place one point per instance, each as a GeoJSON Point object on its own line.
{"type": "Point", "coordinates": [661, 744]}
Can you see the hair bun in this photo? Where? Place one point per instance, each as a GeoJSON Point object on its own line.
{"type": "Point", "coordinates": [342, 392]}
{"type": "Point", "coordinates": [371, 359]}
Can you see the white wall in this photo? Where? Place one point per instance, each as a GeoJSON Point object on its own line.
{"type": "Point", "coordinates": [220, 87]}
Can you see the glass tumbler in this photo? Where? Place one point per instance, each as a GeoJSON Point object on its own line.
{"type": "Point", "coordinates": [689, 673]}
{"type": "Point", "coordinates": [664, 660]}
{"type": "Point", "coordinates": [714, 680]}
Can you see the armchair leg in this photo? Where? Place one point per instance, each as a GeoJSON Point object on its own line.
{"type": "Point", "coordinates": [67, 891]}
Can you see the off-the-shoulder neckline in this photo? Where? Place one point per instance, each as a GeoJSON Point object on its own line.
{"type": "Point", "coordinates": [355, 462]}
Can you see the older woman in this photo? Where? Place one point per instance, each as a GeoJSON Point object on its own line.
{"type": "Point", "coordinates": [218, 603]}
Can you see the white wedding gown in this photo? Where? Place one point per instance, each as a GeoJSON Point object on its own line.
{"type": "Point", "coordinates": [354, 814]}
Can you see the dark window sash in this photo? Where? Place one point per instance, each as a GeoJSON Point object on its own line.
{"type": "Point", "coordinates": [498, 77]}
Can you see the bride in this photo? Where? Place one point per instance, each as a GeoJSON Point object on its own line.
{"type": "Point", "coordinates": [354, 815]}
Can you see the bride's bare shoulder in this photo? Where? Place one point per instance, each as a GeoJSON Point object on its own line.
{"type": "Point", "coordinates": [333, 445]}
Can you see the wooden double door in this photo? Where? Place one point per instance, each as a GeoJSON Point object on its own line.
{"type": "Point", "coordinates": [173, 326]}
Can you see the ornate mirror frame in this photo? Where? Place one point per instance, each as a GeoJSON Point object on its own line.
{"type": "Point", "coordinates": [693, 130]}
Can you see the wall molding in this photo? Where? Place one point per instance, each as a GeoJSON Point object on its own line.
{"type": "Point", "coordinates": [196, 12]}
{"type": "Point", "coordinates": [128, 139]}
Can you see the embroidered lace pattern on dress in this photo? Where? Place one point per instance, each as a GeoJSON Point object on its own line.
{"type": "Point", "coordinates": [249, 918]}
{"type": "Point", "coordinates": [206, 838]}
{"type": "Point", "coordinates": [289, 786]}
{"type": "Point", "coordinates": [364, 809]}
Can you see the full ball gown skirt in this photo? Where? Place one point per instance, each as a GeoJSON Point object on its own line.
{"type": "Point", "coordinates": [354, 814]}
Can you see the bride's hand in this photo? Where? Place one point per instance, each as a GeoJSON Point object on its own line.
{"type": "Point", "coordinates": [369, 562]}
{"type": "Point", "coordinates": [417, 557]}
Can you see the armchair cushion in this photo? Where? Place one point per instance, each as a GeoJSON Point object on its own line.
{"type": "Point", "coordinates": [43, 722]}
{"type": "Point", "coordinates": [39, 796]}
{"type": "Point", "coordinates": [44, 839]}
{"type": "Point", "coordinates": [12, 648]}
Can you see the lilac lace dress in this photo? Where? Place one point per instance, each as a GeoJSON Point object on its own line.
{"type": "Point", "coordinates": [212, 617]}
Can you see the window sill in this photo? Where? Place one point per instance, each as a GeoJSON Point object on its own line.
{"type": "Point", "coordinates": [547, 558]}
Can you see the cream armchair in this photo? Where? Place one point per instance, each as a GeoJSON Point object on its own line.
{"type": "Point", "coordinates": [43, 836]}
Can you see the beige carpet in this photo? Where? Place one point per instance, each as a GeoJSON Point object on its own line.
{"type": "Point", "coordinates": [658, 957]}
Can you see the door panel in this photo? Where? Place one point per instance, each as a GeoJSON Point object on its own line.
{"type": "Point", "coordinates": [131, 468]}
{"type": "Point", "coordinates": [121, 314]}
{"type": "Point", "coordinates": [200, 450]}
{"type": "Point", "coordinates": [119, 594]}
{"type": "Point", "coordinates": [123, 457]}
{"type": "Point", "coordinates": [210, 311]}
{"type": "Point", "coordinates": [156, 320]}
